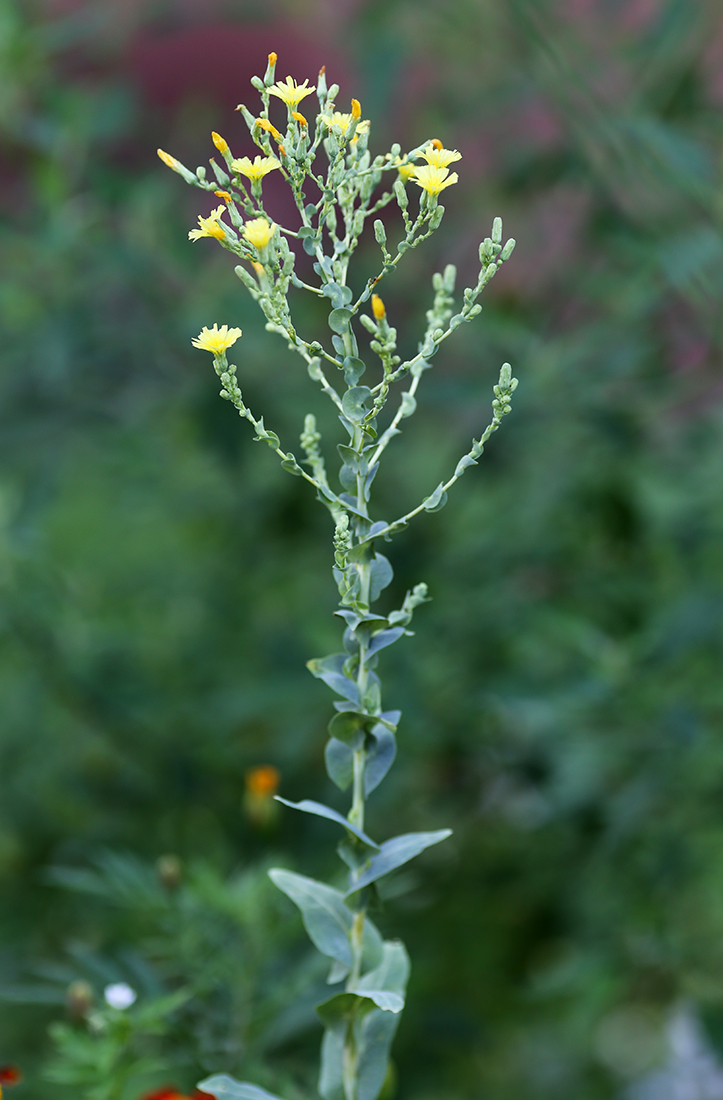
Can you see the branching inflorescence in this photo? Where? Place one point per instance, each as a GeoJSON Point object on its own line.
{"type": "Point", "coordinates": [334, 205]}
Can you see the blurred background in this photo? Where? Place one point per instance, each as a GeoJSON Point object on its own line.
{"type": "Point", "coordinates": [162, 582]}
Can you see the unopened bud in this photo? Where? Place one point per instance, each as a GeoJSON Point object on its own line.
{"type": "Point", "coordinates": [261, 786]}
{"type": "Point", "coordinates": [220, 143]}
{"type": "Point", "coordinates": [321, 82]}
{"type": "Point", "coordinates": [380, 232]}
{"type": "Point", "coordinates": [176, 166]}
{"type": "Point", "coordinates": [270, 70]}
{"type": "Point", "coordinates": [79, 999]}
{"type": "Point", "coordinates": [169, 870]}
{"type": "Point", "coordinates": [497, 231]}
{"type": "Point", "coordinates": [508, 249]}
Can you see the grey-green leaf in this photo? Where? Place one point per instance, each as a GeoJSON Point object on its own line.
{"type": "Point", "coordinates": [224, 1087]}
{"type": "Point", "coordinates": [374, 1027]}
{"type": "Point", "coordinates": [329, 669]}
{"type": "Point", "coordinates": [354, 402]}
{"type": "Point", "coordinates": [326, 918]}
{"type": "Point", "coordinates": [339, 320]}
{"type": "Point", "coordinates": [384, 638]}
{"type": "Point", "coordinates": [381, 751]}
{"type": "Point", "coordinates": [349, 727]}
{"type": "Point", "coordinates": [380, 575]}
{"type": "Point", "coordinates": [394, 853]}
{"type": "Point", "coordinates": [437, 500]}
{"type": "Point", "coordinates": [339, 761]}
{"type": "Point", "coordinates": [308, 806]}
{"type": "Point", "coordinates": [392, 973]}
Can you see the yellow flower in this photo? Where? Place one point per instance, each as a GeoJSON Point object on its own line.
{"type": "Point", "coordinates": [406, 171]}
{"type": "Point", "coordinates": [300, 119]}
{"type": "Point", "coordinates": [432, 179]}
{"type": "Point", "coordinates": [344, 121]}
{"type": "Point", "coordinates": [261, 166]}
{"type": "Point", "coordinates": [216, 339]}
{"type": "Point", "coordinates": [440, 158]}
{"type": "Point", "coordinates": [378, 308]}
{"type": "Point", "coordinates": [210, 226]}
{"type": "Point", "coordinates": [291, 92]}
{"type": "Point", "coordinates": [259, 232]}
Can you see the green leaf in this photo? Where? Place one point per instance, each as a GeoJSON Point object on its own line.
{"type": "Point", "coordinates": [224, 1087]}
{"type": "Point", "coordinates": [339, 320]}
{"type": "Point", "coordinates": [339, 760]}
{"type": "Point", "coordinates": [329, 669]}
{"type": "Point", "coordinates": [349, 727]}
{"type": "Point", "coordinates": [384, 638]}
{"type": "Point", "coordinates": [353, 403]}
{"type": "Point", "coordinates": [437, 500]}
{"type": "Point", "coordinates": [381, 575]}
{"type": "Point", "coordinates": [408, 405]}
{"type": "Point", "coordinates": [394, 853]}
{"type": "Point", "coordinates": [308, 806]}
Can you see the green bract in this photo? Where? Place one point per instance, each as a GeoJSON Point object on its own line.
{"type": "Point", "coordinates": [331, 160]}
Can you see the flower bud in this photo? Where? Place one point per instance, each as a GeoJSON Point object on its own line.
{"type": "Point", "coordinates": [169, 870]}
{"type": "Point", "coordinates": [220, 143]}
{"type": "Point", "coordinates": [378, 307]}
{"type": "Point", "coordinates": [79, 999]}
{"type": "Point", "coordinates": [270, 73]}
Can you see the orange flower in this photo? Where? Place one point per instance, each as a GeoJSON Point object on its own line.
{"type": "Point", "coordinates": [263, 780]}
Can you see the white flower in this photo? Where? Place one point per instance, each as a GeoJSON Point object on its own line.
{"type": "Point", "coordinates": [119, 995]}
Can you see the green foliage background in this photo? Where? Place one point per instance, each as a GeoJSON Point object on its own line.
{"type": "Point", "coordinates": [163, 583]}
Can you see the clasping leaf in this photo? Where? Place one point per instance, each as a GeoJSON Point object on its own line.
{"type": "Point", "coordinates": [394, 853]}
